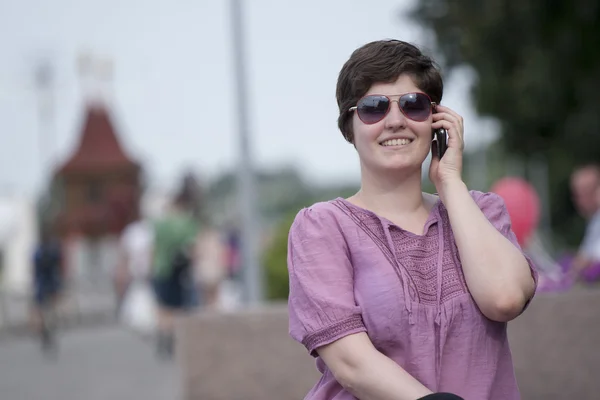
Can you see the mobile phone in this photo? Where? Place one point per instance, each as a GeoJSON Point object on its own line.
{"type": "Point", "coordinates": [440, 137]}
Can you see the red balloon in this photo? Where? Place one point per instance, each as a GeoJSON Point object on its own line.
{"type": "Point", "coordinates": [522, 204]}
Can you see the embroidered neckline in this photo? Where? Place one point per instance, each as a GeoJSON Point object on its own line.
{"type": "Point", "coordinates": [393, 242]}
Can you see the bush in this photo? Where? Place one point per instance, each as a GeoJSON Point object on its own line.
{"type": "Point", "coordinates": [275, 261]}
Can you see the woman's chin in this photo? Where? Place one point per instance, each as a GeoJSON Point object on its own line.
{"type": "Point", "coordinates": [400, 167]}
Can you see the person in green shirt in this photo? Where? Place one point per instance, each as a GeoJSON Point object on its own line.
{"type": "Point", "coordinates": [175, 237]}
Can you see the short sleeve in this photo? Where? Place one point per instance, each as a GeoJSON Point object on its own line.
{"type": "Point", "coordinates": [493, 207]}
{"type": "Point", "coordinates": [322, 308]}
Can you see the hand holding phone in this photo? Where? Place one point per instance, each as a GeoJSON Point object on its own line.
{"type": "Point", "coordinates": [447, 132]}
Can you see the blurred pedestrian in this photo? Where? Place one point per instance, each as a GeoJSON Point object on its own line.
{"type": "Point", "coordinates": [211, 258]}
{"type": "Point", "coordinates": [585, 189]}
{"type": "Point", "coordinates": [135, 300]}
{"type": "Point", "coordinates": [175, 237]}
{"type": "Point", "coordinates": [135, 247]}
{"type": "Point", "coordinates": [48, 283]}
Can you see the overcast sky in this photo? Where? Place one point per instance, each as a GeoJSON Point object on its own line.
{"type": "Point", "coordinates": [173, 92]}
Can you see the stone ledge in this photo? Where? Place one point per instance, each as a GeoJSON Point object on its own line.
{"type": "Point", "coordinates": [243, 356]}
{"type": "Point", "coordinates": [248, 355]}
{"type": "Point", "coordinates": [556, 346]}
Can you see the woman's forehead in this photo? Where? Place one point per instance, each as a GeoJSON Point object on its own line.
{"type": "Point", "coordinates": [403, 84]}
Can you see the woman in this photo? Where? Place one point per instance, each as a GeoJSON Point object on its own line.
{"type": "Point", "coordinates": [398, 293]}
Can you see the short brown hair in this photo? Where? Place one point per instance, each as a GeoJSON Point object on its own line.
{"type": "Point", "coordinates": [383, 61]}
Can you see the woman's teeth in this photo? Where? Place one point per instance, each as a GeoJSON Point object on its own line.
{"type": "Point", "coordinates": [396, 142]}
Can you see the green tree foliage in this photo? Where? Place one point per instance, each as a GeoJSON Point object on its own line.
{"type": "Point", "coordinates": [275, 256]}
{"type": "Point", "coordinates": [275, 261]}
{"type": "Point", "coordinates": [538, 69]}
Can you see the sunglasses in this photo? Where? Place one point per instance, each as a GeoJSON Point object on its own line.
{"type": "Point", "coordinates": [374, 107]}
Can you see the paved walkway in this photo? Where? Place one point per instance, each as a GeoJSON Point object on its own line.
{"type": "Point", "coordinates": [79, 306]}
{"type": "Point", "coordinates": [92, 364]}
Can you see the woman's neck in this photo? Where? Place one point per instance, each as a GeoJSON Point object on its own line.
{"type": "Point", "coordinates": [396, 197]}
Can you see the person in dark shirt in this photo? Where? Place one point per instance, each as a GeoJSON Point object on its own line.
{"type": "Point", "coordinates": [47, 281]}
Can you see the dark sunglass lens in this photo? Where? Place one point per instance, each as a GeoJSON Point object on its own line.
{"type": "Point", "coordinates": [416, 106]}
{"type": "Point", "coordinates": [372, 109]}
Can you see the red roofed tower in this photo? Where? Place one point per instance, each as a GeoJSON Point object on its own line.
{"type": "Point", "coordinates": [100, 181]}
{"type": "Point", "coordinates": [99, 190]}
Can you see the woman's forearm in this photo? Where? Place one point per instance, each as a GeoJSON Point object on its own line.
{"type": "Point", "coordinates": [381, 378]}
{"type": "Point", "coordinates": [496, 272]}
{"type": "Point", "coordinates": [367, 373]}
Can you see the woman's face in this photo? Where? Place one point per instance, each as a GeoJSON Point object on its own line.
{"type": "Point", "coordinates": [396, 142]}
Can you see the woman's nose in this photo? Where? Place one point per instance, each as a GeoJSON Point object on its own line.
{"type": "Point", "coordinates": [395, 119]}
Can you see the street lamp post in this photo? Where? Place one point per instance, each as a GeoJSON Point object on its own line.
{"type": "Point", "coordinates": [246, 193]}
{"type": "Point", "coordinates": [44, 83]}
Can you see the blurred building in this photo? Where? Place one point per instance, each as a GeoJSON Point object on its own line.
{"type": "Point", "coordinates": [95, 194]}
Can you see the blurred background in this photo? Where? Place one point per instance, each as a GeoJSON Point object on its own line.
{"type": "Point", "coordinates": [117, 118]}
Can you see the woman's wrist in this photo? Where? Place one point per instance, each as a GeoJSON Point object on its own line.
{"type": "Point", "coordinates": [449, 187]}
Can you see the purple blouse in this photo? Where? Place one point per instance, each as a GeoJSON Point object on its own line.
{"type": "Point", "coordinates": [352, 271]}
